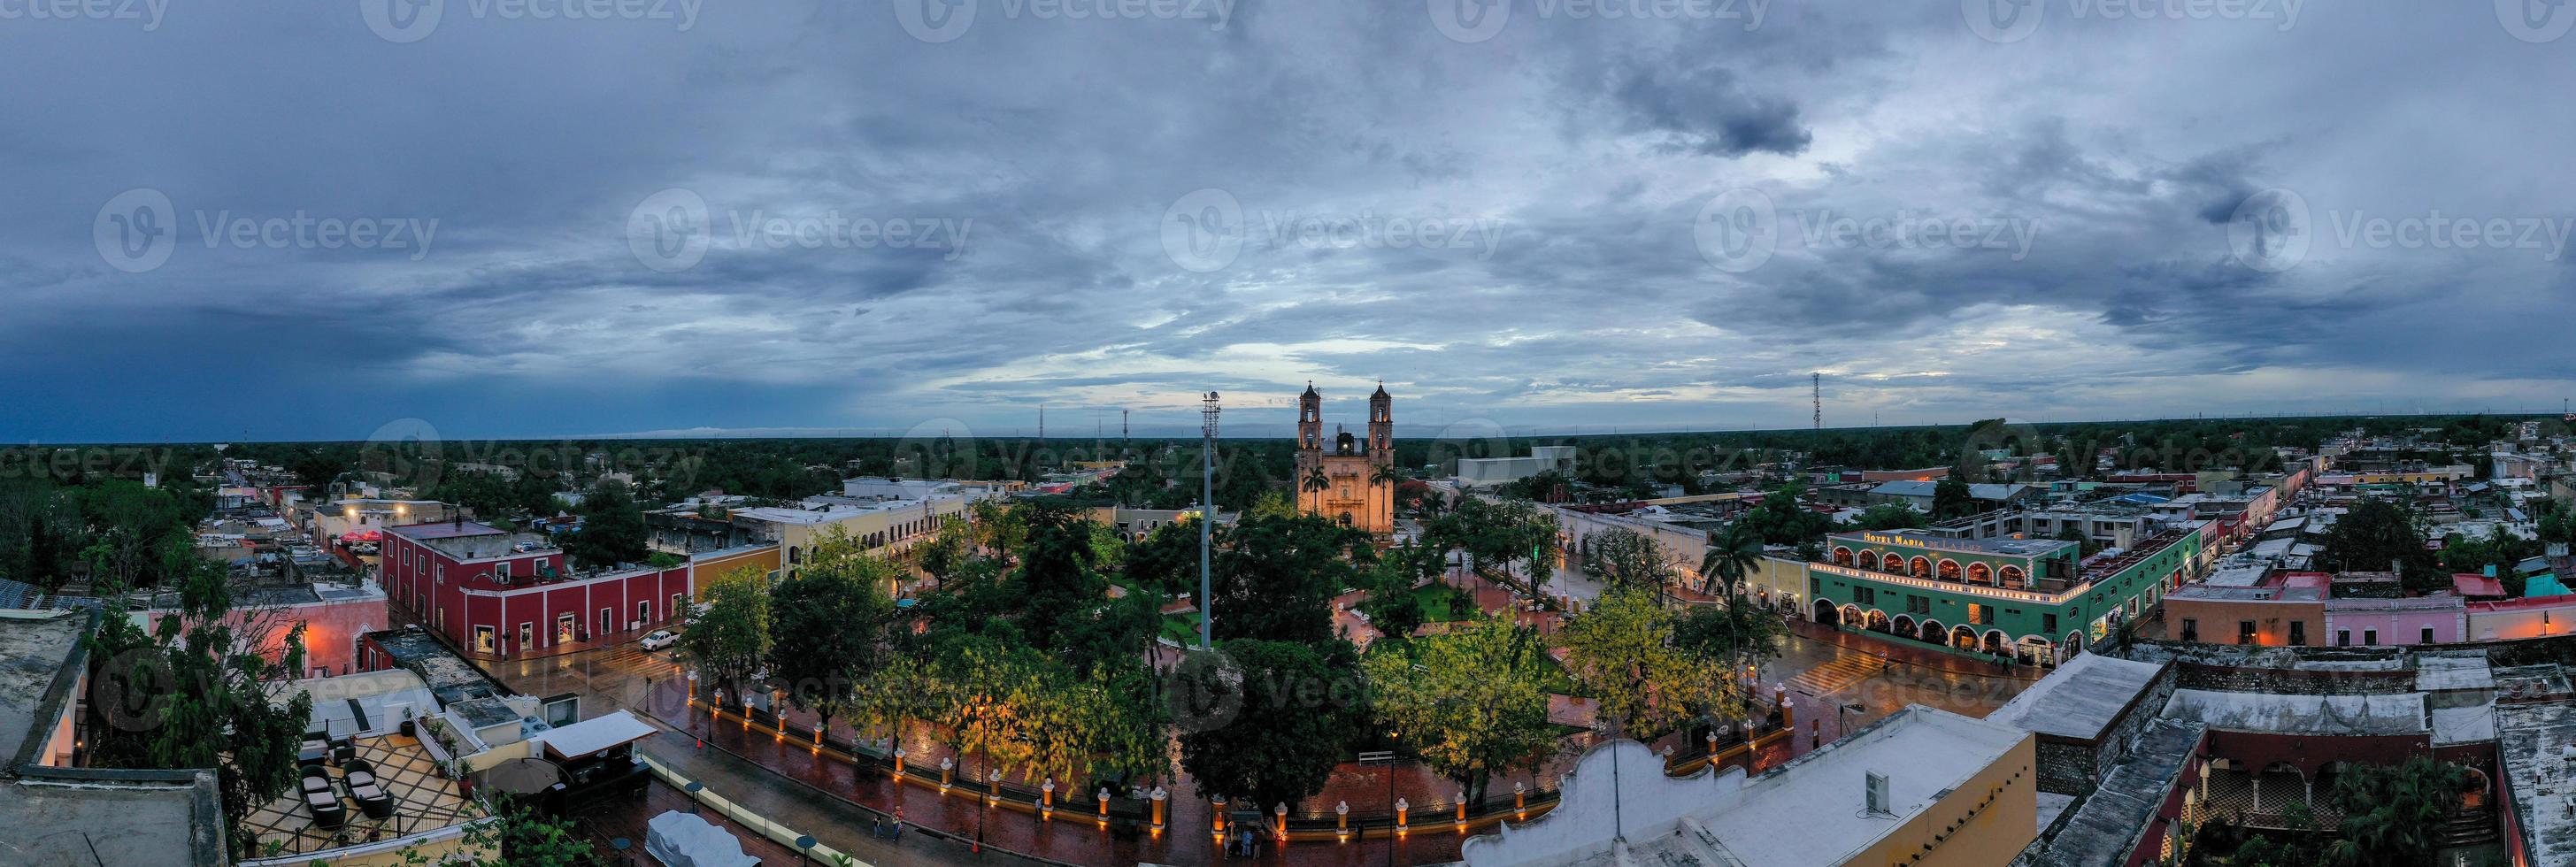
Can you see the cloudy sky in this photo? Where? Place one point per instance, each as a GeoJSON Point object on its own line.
{"type": "Point", "coordinates": [560, 217]}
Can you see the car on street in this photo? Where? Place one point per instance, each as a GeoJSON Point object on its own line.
{"type": "Point", "coordinates": [659, 638]}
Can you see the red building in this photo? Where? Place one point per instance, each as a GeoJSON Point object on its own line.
{"type": "Point", "coordinates": [496, 593]}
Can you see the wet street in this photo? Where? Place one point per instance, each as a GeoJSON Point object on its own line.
{"type": "Point", "coordinates": [1833, 684]}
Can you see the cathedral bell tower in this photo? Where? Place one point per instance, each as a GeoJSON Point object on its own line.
{"type": "Point", "coordinates": [1381, 427]}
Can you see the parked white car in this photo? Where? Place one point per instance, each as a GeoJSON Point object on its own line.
{"type": "Point", "coordinates": [659, 638]}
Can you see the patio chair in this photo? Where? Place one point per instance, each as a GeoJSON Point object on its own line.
{"type": "Point", "coordinates": [369, 794]}
{"type": "Point", "coordinates": [326, 808]}
{"type": "Point", "coordinates": [315, 779]}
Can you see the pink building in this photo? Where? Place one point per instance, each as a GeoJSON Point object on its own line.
{"type": "Point", "coordinates": [2436, 619]}
{"type": "Point", "coordinates": [333, 618]}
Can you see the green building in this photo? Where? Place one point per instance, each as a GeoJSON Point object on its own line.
{"type": "Point", "coordinates": [2036, 599]}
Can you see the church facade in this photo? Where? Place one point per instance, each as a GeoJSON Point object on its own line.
{"type": "Point", "coordinates": [1344, 478]}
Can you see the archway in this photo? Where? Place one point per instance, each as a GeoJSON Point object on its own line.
{"type": "Point", "coordinates": [1877, 620]}
{"type": "Point", "coordinates": [1931, 632]}
{"type": "Point", "coordinates": [1904, 625]}
{"type": "Point", "coordinates": [1963, 637]}
{"type": "Point", "coordinates": [1853, 617]}
{"type": "Point", "coordinates": [1949, 569]}
{"type": "Point", "coordinates": [1996, 643]}
{"type": "Point", "coordinates": [1922, 567]}
{"type": "Point", "coordinates": [2074, 645]}
{"type": "Point", "coordinates": [1980, 573]}
{"type": "Point", "coordinates": [2012, 576]}
{"type": "Point", "coordinates": [1842, 556]}
{"type": "Point", "coordinates": [1869, 560]}
{"type": "Point", "coordinates": [1827, 614]}
{"type": "Point", "coordinates": [2035, 650]}
{"type": "Point", "coordinates": [1892, 564]}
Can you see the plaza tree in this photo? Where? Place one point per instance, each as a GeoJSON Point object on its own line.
{"type": "Point", "coordinates": [1296, 709]}
{"type": "Point", "coordinates": [1626, 558]}
{"type": "Point", "coordinates": [1167, 559]}
{"type": "Point", "coordinates": [1274, 577]}
{"type": "Point", "coordinates": [947, 549]}
{"type": "Point", "coordinates": [828, 625]}
{"type": "Point", "coordinates": [727, 636]}
{"type": "Point", "coordinates": [1471, 703]}
{"type": "Point", "coordinates": [1625, 652]}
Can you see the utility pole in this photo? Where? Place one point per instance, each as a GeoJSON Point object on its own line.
{"type": "Point", "coordinates": [1207, 515]}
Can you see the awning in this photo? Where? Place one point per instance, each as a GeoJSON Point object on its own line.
{"type": "Point", "coordinates": [595, 734]}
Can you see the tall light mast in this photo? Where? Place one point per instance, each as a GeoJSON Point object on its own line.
{"type": "Point", "coordinates": [1207, 515]}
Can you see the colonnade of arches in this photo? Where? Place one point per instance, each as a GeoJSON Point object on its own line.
{"type": "Point", "coordinates": [2029, 649]}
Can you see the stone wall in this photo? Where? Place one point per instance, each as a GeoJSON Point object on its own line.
{"type": "Point", "coordinates": [2123, 735]}
{"type": "Point", "coordinates": [2066, 767]}
{"type": "Point", "coordinates": [2289, 681]}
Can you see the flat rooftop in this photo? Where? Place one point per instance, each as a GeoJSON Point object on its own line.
{"type": "Point", "coordinates": [33, 647]}
{"type": "Point", "coordinates": [444, 530]}
{"type": "Point", "coordinates": [1925, 752]}
{"type": "Point", "coordinates": [448, 675]}
{"type": "Point", "coordinates": [2529, 738]}
{"type": "Point", "coordinates": [114, 821]}
{"type": "Point", "coordinates": [2008, 547]}
{"type": "Point", "coordinates": [2394, 714]}
{"type": "Point", "coordinates": [2081, 699]}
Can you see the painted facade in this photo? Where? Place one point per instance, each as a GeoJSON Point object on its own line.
{"type": "Point", "coordinates": [1341, 478]}
{"type": "Point", "coordinates": [2030, 598]}
{"type": "Point", "coordinates": [498, 594]}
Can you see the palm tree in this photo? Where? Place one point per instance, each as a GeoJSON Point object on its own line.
{"type": "Point", "coordinates": [1732, 554]}
{"type": "Point", "coordinates": [1316, 480]}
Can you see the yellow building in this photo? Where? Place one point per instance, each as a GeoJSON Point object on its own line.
{"type": "Point", "coordinates": [1344, 479]}
{"type": "Point", "coordinates": [884, 528]}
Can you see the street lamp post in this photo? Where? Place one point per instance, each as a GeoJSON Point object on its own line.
{"type": "Point", "coordinates": [1207, 514]}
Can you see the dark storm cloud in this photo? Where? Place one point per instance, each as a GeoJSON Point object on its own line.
{"type": "Point", "coordinates": [1508, 230]}
{"type": "Point", "coordinates": [1706, 111]}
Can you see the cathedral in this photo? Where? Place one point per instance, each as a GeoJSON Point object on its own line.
{"type": "Point", "coordinates": [1342, 479]}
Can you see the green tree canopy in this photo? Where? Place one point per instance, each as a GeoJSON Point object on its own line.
{"type": "Point", "coordinates": [728, 633]}
{"type": "Point", "coordinates": [612, 528]}
{"type": "Point", "coordinates": [1296, 709]}
{"type": "Point", "coordinates": [1472, 702]}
